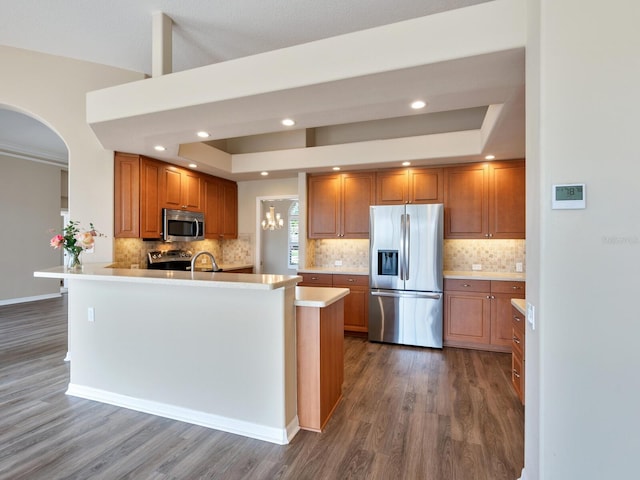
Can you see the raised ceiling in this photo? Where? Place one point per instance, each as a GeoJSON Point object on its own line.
{"type": "Point", "coordinates": [205, 33]}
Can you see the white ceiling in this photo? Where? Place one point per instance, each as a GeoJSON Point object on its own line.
{"type": "Point", "coordinates": [118, 33]}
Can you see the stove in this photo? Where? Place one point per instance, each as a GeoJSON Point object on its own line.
{"type": "Point", "coordinates": [169, 260]}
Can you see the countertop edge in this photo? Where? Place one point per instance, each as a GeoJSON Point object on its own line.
{"type": "Point", "coordinates": [519, 304]}
{"type": "Point", "coordinates": [102, 272]}
{"type": "Point", "coordinates": [319, 297]}
{"type": "Point", "coordinates": [461, 275]}
{"type": "Point", "coordinates": [335, 270]}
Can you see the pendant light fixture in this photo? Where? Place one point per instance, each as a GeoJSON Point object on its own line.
{"type": "Point", "coordinates": [273, 220]}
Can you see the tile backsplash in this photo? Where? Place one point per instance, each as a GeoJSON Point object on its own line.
{"type": "Point", "coordinates": [131, 251]}
{"type": "Point", "coordinates": [493, 255]}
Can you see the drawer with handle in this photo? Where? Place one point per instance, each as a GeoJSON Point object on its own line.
{"type": "Point", "coordinates": [320, 279]}
{"type": "Point", "coordinates": [467, 285]}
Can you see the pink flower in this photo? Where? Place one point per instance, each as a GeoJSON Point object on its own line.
{"type": "Point", "coordinates": [57, 241]}
{"type": "Point", "coordinates": [85, 239]}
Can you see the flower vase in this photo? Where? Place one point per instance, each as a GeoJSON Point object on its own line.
{"type": "Point", "coordinates": [74, 263]}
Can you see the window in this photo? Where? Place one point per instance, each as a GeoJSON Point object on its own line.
{"type": "Point", "coordinates": [293, 228]}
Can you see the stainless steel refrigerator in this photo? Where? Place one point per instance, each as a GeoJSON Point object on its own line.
{"type": "Point", "coordinates": [405, 276]}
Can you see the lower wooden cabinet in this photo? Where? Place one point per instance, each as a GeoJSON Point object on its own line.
{"type": "Point", "coordinates": [517, 352]}
{"type": "Point", "coordinates": [477, 313]}
{"type": "Point", "coordinates": [320, 363]}
{"type": "Point", "coordinates": [356, 304]}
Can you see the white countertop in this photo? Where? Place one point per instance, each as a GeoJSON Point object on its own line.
{"type": "Point", "coordinates": [318, 296]}
{"type": "Point", "coordinates": [479, 275]}
{"type": "Point", "coordinates": [102, 272]}
{"type": "Point", "coordinates": [338, 270]}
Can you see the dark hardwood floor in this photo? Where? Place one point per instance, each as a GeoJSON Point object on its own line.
{"type": "Point", "coordinates": [407, 413]}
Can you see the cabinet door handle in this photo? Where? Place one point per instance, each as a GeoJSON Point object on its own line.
{"type": "Point", "coordinates": [517, 318]}
{"type": "Point", "coordinates": [466, 285]}
{"type": "Point", "coordinates": [516, 287]}
{"type": "Point", "coordinates": [516, 339]}
{"type": "Point", "coordinates": [351, 280]}
{"type": "Point", "coordinates": [515, 373]}
{"type": "Point", "coordinates": [489, 297]}
{"type": "Point", "coordinates": [314, 278]}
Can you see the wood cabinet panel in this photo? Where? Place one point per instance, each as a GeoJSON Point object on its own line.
{"type": "Point", "coordinates": [478, 313]}
{"type": "Point", "coordinates": [426, 185]}
{"type": "Point", "coordinates": [126, 196]}
{"type": "Point", "coordinates": [339, 205]}
{"type": "Point", "coordinates": [220, 200]}
{"type": "Point", "coordinates": [229, 209]}
{"type": "Point", "coordinates": [320, 363]}
{"type": "Point", "coordinates": [507, 200]}
{"type": "Point", "coordinates": [485, 201]}
{"type": "Point", "coordinates": [356, 304]}
{"type": "Point", "coordinates": [180, 189]}
{"type": "Point", "coordinates": [324, 198]}
{"type": "Point", "coordinates": [518, 353]}
{"type": "Point", "coordinates": [410, 185]}
{"type": "Point", "coordinates": [466, 202]}
{"type": "Point", "coordinates": [150, 210]}
{"type": "Point", "coordinates": [358, 193]}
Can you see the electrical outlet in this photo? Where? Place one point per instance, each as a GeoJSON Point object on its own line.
{"type": "Point", "coordinates": [91, 314]}
{"type": "Point", "coordinates": [203, 260]}
{"type": "Point", "coordinates": [518, 266]}
{"type": "Point", "coordinates": [476, 266]}
{"type": "Point", "coordinates": [338, 263]}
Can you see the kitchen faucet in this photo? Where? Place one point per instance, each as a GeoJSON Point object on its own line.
{"type": "Point", "coordinates": [214, 265]}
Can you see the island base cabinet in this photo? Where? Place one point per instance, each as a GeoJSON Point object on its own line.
{"type": "Point", "coordinates": [320, 361]}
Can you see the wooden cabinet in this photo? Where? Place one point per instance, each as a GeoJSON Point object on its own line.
{"type": "Point", "coordinates": [136, 197]}
{"type": "Point", "coordinates": [144, 186]}
{"type": "Point", "coordinates": [220, 199]}
{"type": "Point", "coordinates": [411, 185]}
{"type": "Point", "coordinates": [356, 304]}
{"type": "Point", "coordinates": [339, 204]}
{"type": "Point", "coordinates": [477, 313]}
{"type": "Point", "coordinates": [485, 200]}
{"type": "Point", "coordinates": [320, 363]}
{"type": "Point", "coordinates": [181, 189]}
{"type": "Point", "coordinates": [126, 212]}
{"type": "Point", "coordinates": [517, 352]}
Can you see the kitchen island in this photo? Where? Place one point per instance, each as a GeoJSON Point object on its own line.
{"type": "Point", "coordinates": [213, 349]}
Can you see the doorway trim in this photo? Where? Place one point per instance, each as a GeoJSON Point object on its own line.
{"type": "Point", "coordinates": [257, 268]}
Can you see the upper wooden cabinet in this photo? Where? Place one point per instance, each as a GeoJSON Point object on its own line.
{"type": "Point", "coordinates": [485, 200]}
{"type": "Point", "coordinates": [136, 197]}
{"type": "Point", "coordinates": [181, 189]}
{"type": "Point", "coordinates": [411, 185]}
{"type": "Point", "coordinates": [220, 208]}
{"type": "Point", "coordinates": [339, 204]}
{"type": "Point", "coordinates": [144, 186]}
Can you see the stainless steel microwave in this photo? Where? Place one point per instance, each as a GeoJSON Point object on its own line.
{"type": "Point", "coordinates": [182, 226]}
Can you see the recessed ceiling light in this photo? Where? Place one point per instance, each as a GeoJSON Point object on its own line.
{"type": "Point", "coordinates": [287, 122]}
{"type": "Point", "coordinates": [336, 168]}
{"type": "Point", "coordinates": [159, 148]}
{"type": "Point", "coordinates": [193, 165]}
{"type": "Point", "coordinates": [418, 104]}
{"type": "Point", "coordinates": [406, 164]}
{"type": "Point", "coordinates": [490, 157]}
{"type": "Point", "coordinates": [203, 134]}
{"type": "Point", "coordinates": [264, 174]}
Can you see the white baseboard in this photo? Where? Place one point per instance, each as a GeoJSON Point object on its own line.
{"type": "Point", "coordinates": [280, 436]}
{"type": "Point", "coordinates": [11, 301]}
{"type": "Point", "coordinates": [523, 475]}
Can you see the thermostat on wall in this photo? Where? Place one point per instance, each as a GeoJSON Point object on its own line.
{"type": "Point", "coordinates": [569, 196]}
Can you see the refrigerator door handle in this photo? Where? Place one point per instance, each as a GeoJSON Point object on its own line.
{"type": "Point", "coordinates": [407, 245]}
{"type": "Point", "coordinates": [430, 296]}
{"type": "Point", "coordinates": [403, 236]}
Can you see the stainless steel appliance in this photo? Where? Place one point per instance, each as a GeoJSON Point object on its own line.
{"type": "Point", "coordinates": [406, 299]}
{"type": "Point", "coordinates": [182, 226]}
{"type": "Point", "coordinates": [176, 260]}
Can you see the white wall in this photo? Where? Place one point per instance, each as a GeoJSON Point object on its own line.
{"type": "Point", "coordinates": [249, 191]}
{"type": "Point", "coordinates": [52, 90]}
{"type": "Point", "coordinates": [583, 359]}
{"type": "Point", "coordinates": [30, 196]}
